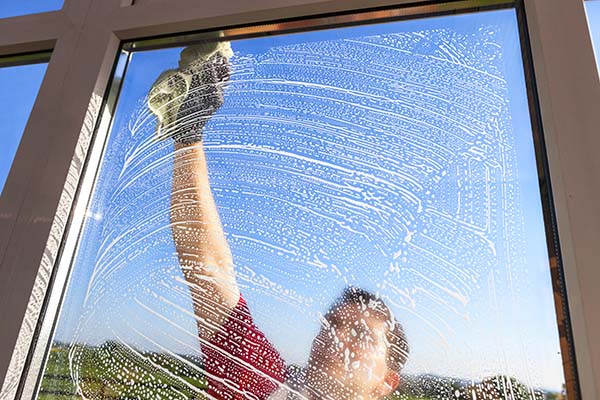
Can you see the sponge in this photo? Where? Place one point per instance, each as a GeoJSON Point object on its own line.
{"type": "Point", "coordinates": [165, 98]}
{"type": "Point", "coordinates": [172, 86]}
{"type": "Point", "coordinates": [199, 53]}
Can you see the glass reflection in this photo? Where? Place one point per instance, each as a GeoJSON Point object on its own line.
{"type": "Point", "coordinates": [285, 217]}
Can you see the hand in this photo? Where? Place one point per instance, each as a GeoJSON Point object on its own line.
{"type": "Point", "coordinates": [204, 98]}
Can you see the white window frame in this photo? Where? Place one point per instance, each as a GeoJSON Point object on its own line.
{"type": "Point", "coordinates": [85, 37]}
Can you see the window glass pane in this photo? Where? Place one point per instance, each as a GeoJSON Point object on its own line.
{"type": "Point", "coordinates": [357, 174]}
{"type": "Point", "coordinates": [593, 13]}
{"type": "Point", "coordinates": [20, 86]}
{"type": "Point", "coordinates": [12, 8]}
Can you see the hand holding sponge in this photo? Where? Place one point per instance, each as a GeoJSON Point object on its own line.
{"type": "Point", "coordinates": [183, 99]}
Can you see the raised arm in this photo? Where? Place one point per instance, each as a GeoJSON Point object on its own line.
{"type": "Point", "coordinates": [239, 358]}
{"type": "Point", "coordinates": [204, 253]}
{"type": "Point", "coordinates": [184, 100]}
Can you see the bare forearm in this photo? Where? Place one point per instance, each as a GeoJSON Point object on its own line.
{"type": "Point", "coordinates": [197, 228]}
{"type": "Point", "coordinates": [184, 100]}
{"type": "Point", "coordinates": [203, 251]}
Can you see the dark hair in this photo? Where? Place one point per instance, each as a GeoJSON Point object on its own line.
{"type": "Point", "coordinates": [398, 349]}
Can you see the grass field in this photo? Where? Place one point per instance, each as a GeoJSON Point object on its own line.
{"type": "Point", "coordinates": [114, 371]}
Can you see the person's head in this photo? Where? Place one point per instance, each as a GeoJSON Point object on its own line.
{"type": "Point", "coordinates": [359, 351]}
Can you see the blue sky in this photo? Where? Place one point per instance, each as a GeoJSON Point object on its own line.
{"type": "Point", "coordinates": [22, 84]}
{"type": "Point", "coordinates": [12, 8]}
{"type": "Point", "coordinates": [20, 87]}
{"type": "Point", "coordinates": [397, 157]}
{"type": "Point", "coordinates": [593, 14]}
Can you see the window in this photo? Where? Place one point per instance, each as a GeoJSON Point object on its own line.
{"type": "Point", "coordinates": [388, 165]}
{"type": "Point", "coordinates": [593, 13]}
{"type": "Point", "coordinates": [20, 85]}
{"type": "Point", "coordinates": [12, 8]}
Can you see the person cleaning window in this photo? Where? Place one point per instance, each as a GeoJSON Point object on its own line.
{"type": "Point", "coordinates": [360, 350]}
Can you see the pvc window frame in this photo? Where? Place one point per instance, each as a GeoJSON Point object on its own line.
{"type": "Point", "coordinates": [85, 37]}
